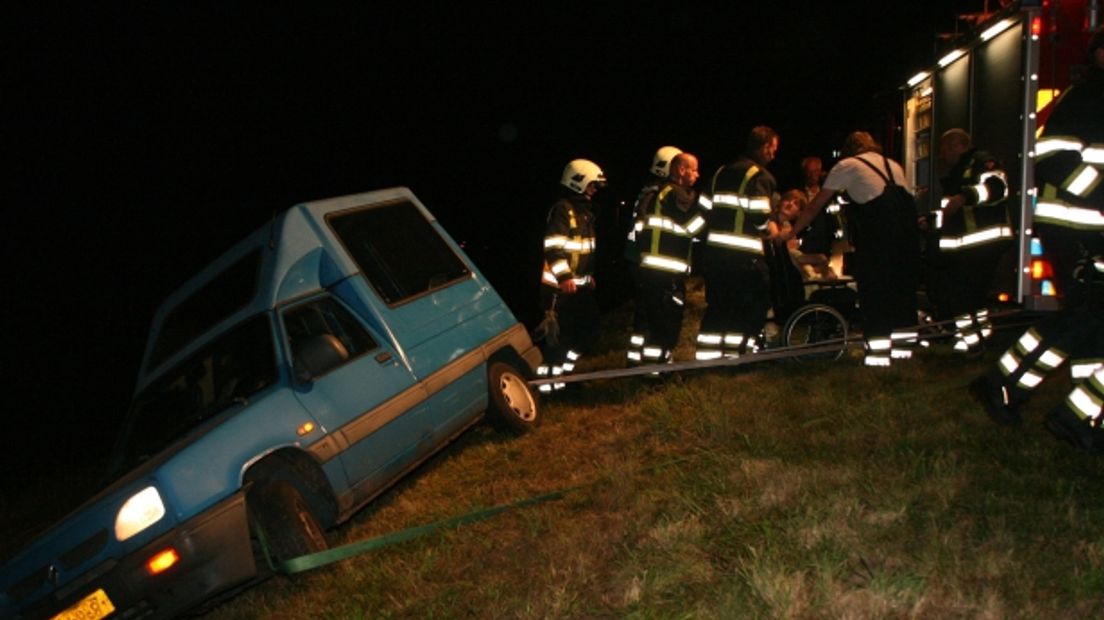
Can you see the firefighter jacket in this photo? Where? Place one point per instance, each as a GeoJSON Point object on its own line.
{"type": "Point", "coordinates": [1069, 160]}
{"type": "Point", "coordinates": [737, 212]}
{"type": "Point", "coordinates": [569, 243]}
{"type": "Point", "coordinates": [984, 218]}
{"type": "Point", "coordinates": [632, 248]}
{"type": "Point", "coordinates": [670, 217]}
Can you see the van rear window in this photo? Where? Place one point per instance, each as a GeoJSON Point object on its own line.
{"type": "Point", "coordinates": [398, 250]}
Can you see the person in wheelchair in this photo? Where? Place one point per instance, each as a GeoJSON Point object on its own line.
{"type": "Point", "coordinates": [813, 266]}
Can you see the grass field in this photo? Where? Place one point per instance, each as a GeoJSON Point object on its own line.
{"type": "Point", "coordinates": [783, 490]}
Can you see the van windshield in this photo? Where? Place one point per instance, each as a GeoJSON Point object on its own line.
{"type": "Point", "coordinates": [225, 373]}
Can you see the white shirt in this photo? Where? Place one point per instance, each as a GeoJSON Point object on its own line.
{"type": "Point", "coordinates": [860, 182]}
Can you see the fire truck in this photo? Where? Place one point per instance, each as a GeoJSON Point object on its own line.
{"type": "Point", "coordinates": [999, 83]}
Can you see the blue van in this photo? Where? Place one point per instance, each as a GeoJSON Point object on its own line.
{"type": "Point", "coordinates": [284, 387]}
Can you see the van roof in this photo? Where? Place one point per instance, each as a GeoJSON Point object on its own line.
{"type": "Point", "coordinates": [287, 258]}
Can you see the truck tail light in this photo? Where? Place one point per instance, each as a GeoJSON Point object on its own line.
{"type": "Point", "coordinates": [1036, 27]}
{"type": "Point", "coordinates": [1041, 269]}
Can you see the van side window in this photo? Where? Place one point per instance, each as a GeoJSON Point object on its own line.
{"type": "Point", "coordinates": [224, 295]}
{"type": "Point", "coordinates": [398, 250]}
{"type": "Point", "coordinates": [226, 372]}
{"type": "Point", "coordinates": [326, 317]}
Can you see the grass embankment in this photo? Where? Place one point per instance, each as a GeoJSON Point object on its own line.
{"type": "Point", "coordinates": [779, 491]}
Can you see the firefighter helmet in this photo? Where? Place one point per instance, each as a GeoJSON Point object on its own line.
{"type": "Point", "coordinates": [580, 173]}
{"type": "Point", "coordinates": [661, 163]}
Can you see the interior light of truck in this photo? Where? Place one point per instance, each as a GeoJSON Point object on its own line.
{"type": "Point", "coordinates": [996, 29]}
{"type": "Point", "coordinates": [919, 77]}
{"type": "Point", "coordinates": [305, 429]}
{"type": "Point", "coordinates": [142, 510]}
{"type": "Point", "coordinates": [949, 58]}
{"type": "Point", "coordinates": [927, 92]}
{"type": "Point", "coordinates": [162, 561]}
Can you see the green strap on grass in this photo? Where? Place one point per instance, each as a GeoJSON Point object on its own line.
{"type": "Point", "coordinates": [322, 558]}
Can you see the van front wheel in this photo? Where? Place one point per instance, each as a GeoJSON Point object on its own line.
{"type": "Point", "coordinates": [289, 527]}
{"type": "Point", "coordinates": [513, 405]}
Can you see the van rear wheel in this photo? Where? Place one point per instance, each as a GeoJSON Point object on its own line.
{"type": "Point", "coordinates": [513, 405]}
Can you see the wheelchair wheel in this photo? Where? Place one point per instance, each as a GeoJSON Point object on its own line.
{"type": "Point", "coordinates": [812, 324]}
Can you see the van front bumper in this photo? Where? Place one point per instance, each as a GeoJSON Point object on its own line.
{"type": "Point", "coordinates": [215, 555]}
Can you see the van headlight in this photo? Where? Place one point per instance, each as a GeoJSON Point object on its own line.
{"type": "Point", "coordinates": [142, 510]}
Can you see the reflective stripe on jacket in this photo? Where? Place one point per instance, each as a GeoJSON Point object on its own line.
{"type": "Point", "coordinates": [739, 208]}
{"type": "Point", "coordinates": [569, 242]}
{"type": "Point", "coordinates": [984, 218]}
{"type": "Point", "coordinates": [669, 220]}
{"type": "Point", "coordinates": [1072, 189]}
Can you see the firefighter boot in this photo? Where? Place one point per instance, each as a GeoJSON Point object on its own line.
{"type": "Point", "coordinates": [993, 397]}
{"type": "Point", "coordinates": [1066, 426]}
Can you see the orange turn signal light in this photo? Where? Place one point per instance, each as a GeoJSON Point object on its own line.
{"type": "Point", "coordinates": [162, 561]}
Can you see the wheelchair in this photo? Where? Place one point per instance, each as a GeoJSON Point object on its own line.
{"type": "Point", "coordinates": [809, 311]}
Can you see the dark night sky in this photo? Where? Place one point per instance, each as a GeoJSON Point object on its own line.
{"type": "Point", "coordinates": [151, 136]}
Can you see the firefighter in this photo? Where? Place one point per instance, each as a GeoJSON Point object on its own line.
{"type": "Point", "coordinates": [567, 282]}
{"type": "Point", "coordinates": [658, 174]}
{"type": "Point", "coordinates": [669, 220]}
{"type": "Point", "coordinates": [737, 290]}
{"type": "Point", "coordinates": [882, 217]}
{"type": "Point", "coordinates": [1069, 217]}
{"type": "Point", "coordinates": [972, 230]}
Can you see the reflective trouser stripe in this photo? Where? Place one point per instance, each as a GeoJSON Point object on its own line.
{"type": "Point", "coordinates": [1013, 362]}
{"type": "Point", "coordinates": [543, 371]}
{"type": "Point", "coordinates": [569, 362]}
{"type": "Point", "coordinates": [1083, 369]}
{"type": "Point", "coordinates": [708, 346]}
{"type": "Point", "coordinates": [984, 322]}
{"type": "Point", "coordinates": [878, 352]}
{"type": "Point", "coordinates": [967, 332]}
{"type": "Point", "coordinates": [714, 345]}
{"type": "Point", "coordinates": [642, 353]}
{"type": "Point", "coordinates": [902, 343]}
{"type": "Point", "coordinates": [1086, 399]}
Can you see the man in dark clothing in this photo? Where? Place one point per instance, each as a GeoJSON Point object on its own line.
{"type": "Point", "coordinates": [669, 219]}
{"type": "Point", "coordinates": [973, 230]}
{"type": "Point", "coordinates": [737, 290]}
{"type": "Point", "coordinates": [882, 218]}
{"type": "Point", "coordinates": [1069, 217]}
{"type": "Point", "coordinates": [567, 282]}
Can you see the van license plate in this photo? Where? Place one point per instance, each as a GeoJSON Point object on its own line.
{"type": "Point", "coordinates": [92, 607]}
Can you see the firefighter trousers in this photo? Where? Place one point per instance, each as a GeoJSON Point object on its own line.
{"type": "Point", "coordinates": [737, 295]}
{"type": "Point", "coordinates": [657, 318]}
{"type": "Point", "coordinates": [887, 269]}
{"type": "Point", "coordinates": [577, 317]}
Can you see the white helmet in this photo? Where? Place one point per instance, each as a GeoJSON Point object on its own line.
{"type": "Point", "coordinates": [661, 163]}
{"type": "Point", "coordinates": [580, 173]}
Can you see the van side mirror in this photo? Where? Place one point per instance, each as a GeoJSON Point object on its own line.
{"type": "Point", "coordinates": [317, 355]}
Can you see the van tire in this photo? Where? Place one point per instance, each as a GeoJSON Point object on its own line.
{"type": "Point", "coordinates": [513, 405]}
{"type": "Point", "coordinates": [289, 526]}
